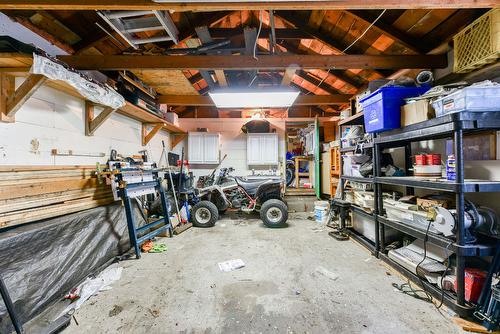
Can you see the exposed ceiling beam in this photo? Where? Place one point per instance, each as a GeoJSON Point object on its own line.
{"type": "Point", "coordinates": [281, 33]}
{"type": "Point", "coordinates": [338, 74]}
{"type": "Point", "coordinates": [190, 32]}
{"type": "Point", "coordinates": [44, 34]}
{"type": "Point", "coordinates": [214, 62]}
{"type": "Point", "coordinates": [288, 76]}
{"type": "Point", "coordinates": [322, 85]}
{"type": "Point", "coordinates": [206, 101]}
{"type": "Point", "coordinates": [240, 5]}
{"type": "Point", "coordinates": [400, 37]}
{"type": "Point", "coordinates": [314, 33]}
{"type": "Point", "coordinates": [330, 42]}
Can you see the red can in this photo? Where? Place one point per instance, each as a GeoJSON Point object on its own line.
{"type": "Point", "coordinates": [474, 281]}
{"type": "Point", "coordinates": [420, 159]}
{"type": "Point", "coordinates": [433, 159]}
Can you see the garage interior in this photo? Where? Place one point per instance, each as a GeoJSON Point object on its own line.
{"type": "Point", "coordinates": [249, 166]}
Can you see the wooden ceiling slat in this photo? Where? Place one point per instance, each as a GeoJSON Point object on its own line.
{"type": "Point", "coordinates": [447, 29]}
{"type": "Point", "coordinates": [409, 18]}
{"type": "Point", "coordinates": [316, 18]}
{"type": "Point", "coordinates": [407, 41]}
{"type": "Point", "coordinates": [431, 20]}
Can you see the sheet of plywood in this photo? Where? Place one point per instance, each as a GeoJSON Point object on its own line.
{"type": "Point", "coordinates": [325, 173]}
{"type": "Point", "coordinates": [15, 60]}
{"type": "Point", "coordinates": [167, 82]}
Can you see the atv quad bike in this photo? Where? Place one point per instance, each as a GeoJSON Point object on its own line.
{"type": "Point", "coordinates": [230, 192]}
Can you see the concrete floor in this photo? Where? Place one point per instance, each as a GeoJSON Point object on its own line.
{"type": "Point", "coordinates": [296, 280]}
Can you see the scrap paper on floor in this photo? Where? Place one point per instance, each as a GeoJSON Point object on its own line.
{"type": "Point", "coordinates": [231, 265]}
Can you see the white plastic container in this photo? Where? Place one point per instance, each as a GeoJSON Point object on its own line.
{"type": "Point", "coordinates": [472, 98]}
{"type": "Point", "coordinates": [321, 211]}
{"type": "Point", "coordinates": [366, 227]}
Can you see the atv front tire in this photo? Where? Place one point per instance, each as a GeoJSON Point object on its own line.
{"type": "Point", "coordinates": [274, 213]}
{"type": "Point", "coordinates": [204, 214]}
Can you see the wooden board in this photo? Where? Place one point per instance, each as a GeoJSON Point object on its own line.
{"type": "Point", "coordinates": [15, 60]}
{"type": "Point", "coordinates": [31, 193]}
{"type": "Point", "coordinates": [167, 82]}
{"type": "Point", "coordinates": [473, 327]}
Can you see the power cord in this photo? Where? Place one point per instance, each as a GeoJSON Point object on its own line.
{"type": "Point", "coordinates": [350, 45]}
{"type": "Point", "coordinates": [406, 288]}
{"type": "Point", "coordinates": [257, 37]}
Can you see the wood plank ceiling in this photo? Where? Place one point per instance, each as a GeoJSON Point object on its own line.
{"type": "Point", "coordinates": [304, 32]}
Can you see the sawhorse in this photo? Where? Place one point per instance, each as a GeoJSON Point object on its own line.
{"type": "Point", "coordinates": [130, 190]}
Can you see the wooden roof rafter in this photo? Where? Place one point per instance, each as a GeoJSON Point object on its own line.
{"type": "Point", "coordinates": [405, 40]}
{"type": "Point", "coordinates": [336, 46]}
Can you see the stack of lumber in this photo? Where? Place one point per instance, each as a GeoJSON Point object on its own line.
{"type": "Point", "coordinates": [31, 193]}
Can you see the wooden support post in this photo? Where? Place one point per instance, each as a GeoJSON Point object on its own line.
{"type": "Point", "coordinates": [147, 136]}
{"type": "Point", "coordinates": [176, 138]}
{"type": "Point", "coordinates": [7, 89]}
{"type": "Point", "coordinates": [221, 78]}
{"type": "Point", "coordinates": [93, 123]}
{"type": "Point", "coordinates": [289, 73]}
{"type": "Point", "coordinates": [23, 93]}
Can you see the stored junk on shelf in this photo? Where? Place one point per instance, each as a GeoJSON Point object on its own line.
{"type": "Point", "coordinates": [30, 193]}
{"type": "Point", "coordinates": [382, 108]}
{"type": "Point", "coordinates": [482, 96]}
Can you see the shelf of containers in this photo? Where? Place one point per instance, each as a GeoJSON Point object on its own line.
{"type": "Point", "coordinates": [454, 126]}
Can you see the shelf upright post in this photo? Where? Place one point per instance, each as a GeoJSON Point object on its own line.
{"type": "Point", "coordinates": [408, 164]}
{"type": "Point", "coordinates": [377, 194]}
{"type": "Point", "coordinates": [460, 206]}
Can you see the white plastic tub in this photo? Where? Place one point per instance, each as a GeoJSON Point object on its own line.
{"type": "Point", "coordinates": [472, 98]}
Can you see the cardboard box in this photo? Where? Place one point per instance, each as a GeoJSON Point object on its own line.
{"type": "Point", "coordinates": [427, 203]}
{"type": "Point", "coordinates": [330, 131]}
{"type": "Point", "coordinates": [416, 112]}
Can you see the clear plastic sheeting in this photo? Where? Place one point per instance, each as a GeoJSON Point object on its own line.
{"type": "Point", "coordinates": [90, 90]}
{"type": "Point", "coordinates": [41, 262]}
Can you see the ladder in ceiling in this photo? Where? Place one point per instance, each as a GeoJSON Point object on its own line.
{"type": "Point", "coordinates": [128, 23]}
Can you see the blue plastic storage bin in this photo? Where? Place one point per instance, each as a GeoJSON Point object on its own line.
{"type": "Point", "coordinates": [382, 108]}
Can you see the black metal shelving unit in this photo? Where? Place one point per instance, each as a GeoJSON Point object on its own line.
{"type": "Point", "coordinates": [357, 179]}
{"type": "Point", "coordinates": [353, 148]}
{"type": "Point", "coordinates": [373, 247]}
{"type": "Point", "coordinates": [367, 243]}
{"type": "Point", "coordinates": [454, 126]}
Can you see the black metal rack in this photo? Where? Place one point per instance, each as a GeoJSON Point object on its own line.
{"type": "Point", "coordinates": [454, 125]}
{"type": "Point", "coordinates": [372, 246]}
{"type": "Point", "coordinates": [367, 243]}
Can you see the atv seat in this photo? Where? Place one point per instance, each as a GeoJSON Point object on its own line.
{"type": "Point", "coordinates": [250, 186]}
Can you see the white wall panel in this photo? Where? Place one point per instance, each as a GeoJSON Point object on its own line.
{"type": "Point", "coordinates": [54, 120]}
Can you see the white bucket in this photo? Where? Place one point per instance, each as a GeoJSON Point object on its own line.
{"type": "Point", "coordinates": [321, 211]}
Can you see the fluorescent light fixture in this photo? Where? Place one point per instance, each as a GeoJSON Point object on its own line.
{"type": "Point", "coordinates": [254, 98]}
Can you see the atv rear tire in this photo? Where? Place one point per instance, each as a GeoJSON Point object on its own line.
{"type": "Point", "coordinates": [274, 213]}
{"type": "Point", "coordinates": [204, 214]}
